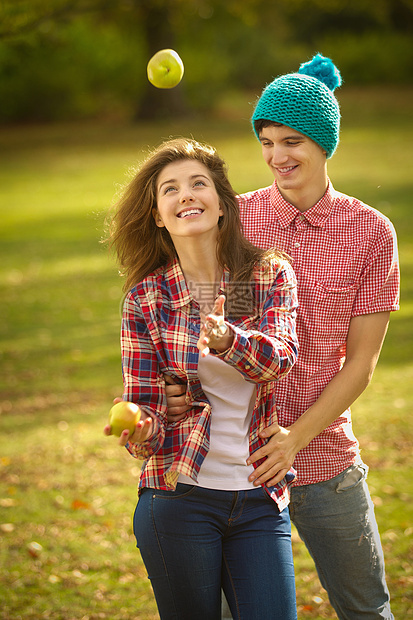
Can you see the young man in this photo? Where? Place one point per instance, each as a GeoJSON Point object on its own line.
{"type": "Point", "coordinates": [345, 257]}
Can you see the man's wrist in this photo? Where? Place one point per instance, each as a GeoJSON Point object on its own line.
{"type": "Point", "coordinates": [299, 431]}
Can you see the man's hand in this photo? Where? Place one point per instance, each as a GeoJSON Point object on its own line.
{"type": "Point", "coordinates": [279, 454]}
{"type": "Point", "coordinates": [175, 400]}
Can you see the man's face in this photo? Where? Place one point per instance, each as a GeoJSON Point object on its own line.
{"type": "Point", "coordinates": [296, 161]}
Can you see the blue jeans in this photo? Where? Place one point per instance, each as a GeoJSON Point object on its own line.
{"type": "Point", "coordinates": [193, 541]}
{"type": "Point", "coordinates": [336, 521]}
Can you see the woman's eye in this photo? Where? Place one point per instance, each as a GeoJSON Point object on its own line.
{"type": "Point", "coordinates": [202, 183]}
{"type": "Point", "coordinates": [169, 189]}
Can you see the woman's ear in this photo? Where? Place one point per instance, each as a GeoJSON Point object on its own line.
{"type": "Point", "coordinates": [157, 218]}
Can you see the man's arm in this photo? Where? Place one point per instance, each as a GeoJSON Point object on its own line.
{"type": "Point", "coordinates": [364, 342]}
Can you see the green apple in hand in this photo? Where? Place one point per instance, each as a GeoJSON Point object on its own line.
{"type": "Point", "coordinates": [124, 415]}
{"type": "Point", "coordinates": [165, 69]}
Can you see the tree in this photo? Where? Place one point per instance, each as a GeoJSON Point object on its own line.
{"type": "Point", "coordinates": [77, 58]}
{"type": "Point", "coordinates": [154, 20]}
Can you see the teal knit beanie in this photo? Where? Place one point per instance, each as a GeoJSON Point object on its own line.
{"type": "Point", "coordinates": [305, 102]}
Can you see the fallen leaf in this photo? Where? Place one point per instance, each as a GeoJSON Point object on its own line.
{"type": "Point", "coordinates": [79, 504]}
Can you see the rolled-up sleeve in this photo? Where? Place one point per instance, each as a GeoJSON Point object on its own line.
{"type": "Point", "coordinates": [143, 381]}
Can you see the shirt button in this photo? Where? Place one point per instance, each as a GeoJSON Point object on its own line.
{"type": "Point", "coordinates": [301, 218]}
{"type": "Point", "coordinates": [296, 244]}
{"type": "Point", "coordinates": [188, 400]}
{"type": "Point", "coordinates": [247, 366]}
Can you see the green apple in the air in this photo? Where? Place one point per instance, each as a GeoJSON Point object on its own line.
{"type": "Point", "coordinates": [124, 415]}
{"type": "Point", "coordinates": [165, 69]}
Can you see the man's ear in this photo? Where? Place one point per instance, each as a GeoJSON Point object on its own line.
{"type": "Point", "coordinates": [157, 218]}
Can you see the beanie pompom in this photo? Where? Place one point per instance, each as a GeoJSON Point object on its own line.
{"type": "Point", "coordinates": [304, 101]}
{"type": "Point", "coordinates": [323, 69]}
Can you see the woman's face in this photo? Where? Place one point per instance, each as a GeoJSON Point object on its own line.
{"type": "Point", "coordinates": [187, 202]}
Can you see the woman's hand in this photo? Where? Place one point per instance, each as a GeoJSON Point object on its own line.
{"type": "Point", "coordinates": [142, 432]}
{"type": "Point", "coordinates": [215, 332]}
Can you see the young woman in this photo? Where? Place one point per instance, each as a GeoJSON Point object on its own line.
{"type": "Point", "coordinates": [199, 523]}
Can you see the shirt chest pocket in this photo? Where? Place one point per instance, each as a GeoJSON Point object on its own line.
{"type": "Point", "coordinates": [332, 303]}
{"type": "Point", "coordinates": [179, 340]}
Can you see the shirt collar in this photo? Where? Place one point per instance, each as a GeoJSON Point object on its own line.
{"type": "Point", "coordinates": [176, 284]}
{"type": "Point", "coordinates": [317, 215]}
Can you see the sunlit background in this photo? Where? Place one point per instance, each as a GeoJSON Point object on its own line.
{"type": "Point", "coordinates": [77, 113]}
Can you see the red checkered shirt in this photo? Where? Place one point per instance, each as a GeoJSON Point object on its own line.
{"type": "Point", "coordinates": [345, 259]}
{"type": "Point", "coordinates": [160, 330]}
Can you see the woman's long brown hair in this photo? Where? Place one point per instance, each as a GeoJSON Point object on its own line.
{"type": "Point", "coordinates": [142, 247]}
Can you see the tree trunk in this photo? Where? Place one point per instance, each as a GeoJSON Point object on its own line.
{"type": "Point", "coordinates": [158, 103]}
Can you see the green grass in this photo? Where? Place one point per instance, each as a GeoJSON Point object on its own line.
{"type": "Point", "coordinates": [64, 485]}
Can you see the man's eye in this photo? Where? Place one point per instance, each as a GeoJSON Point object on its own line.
{"type": "Point", "coordinates": [292, 142]}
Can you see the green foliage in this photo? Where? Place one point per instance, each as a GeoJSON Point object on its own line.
{"type": "Point", "coordinates": [63, 484]}
{"type": "Point", "coordinates": [87, 58]}
{"type": "Point", "coordinates": [366, 59]}
{"type": "Point", "coordinates": [73, 70]}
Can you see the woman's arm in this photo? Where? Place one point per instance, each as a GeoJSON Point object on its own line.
{"type": "Point", "coordinates": [268, 352]}
{"type": "Point", "coordinates": [274, 343]}
{"type": "Point", "coordinates": [143, 381]}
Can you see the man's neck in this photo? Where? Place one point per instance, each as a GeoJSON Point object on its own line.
{"type": "Point", "coordinates": [303, 200]}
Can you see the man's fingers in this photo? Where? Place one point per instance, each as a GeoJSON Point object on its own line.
{"type": "Point", "coordinates": [175, 414]}
{"type": "Point", "coordinates": [257, 455]}
{"type": "Point", "coordinates": [175, 393]}
{"type": "Point", "coordinates": [175, 389]}
{"type": "Point", "coordinates": [170, 380]}
{"type": "Point", "coordinates": [268, 475]}
{"type": "Point", "coordinates": [178, 410]}
{"type": "Point", "coordinates": [277, 478]}
{"type": "Point", "coordinates": [269, 431]}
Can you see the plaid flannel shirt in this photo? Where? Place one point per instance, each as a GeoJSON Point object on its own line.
{"type": "Point", "coordinates": [160, 330]}
{"type": "Point", "coordinates": [345, 258]}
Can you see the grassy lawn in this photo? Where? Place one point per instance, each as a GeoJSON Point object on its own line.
{"type": "Point", "coordinates": [66, 487]}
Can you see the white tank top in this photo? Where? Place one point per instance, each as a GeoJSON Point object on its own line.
{"type": "Point", "coordinates": [232, 400]}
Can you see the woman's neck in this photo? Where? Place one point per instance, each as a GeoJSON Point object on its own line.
{"type": "Point", "coordinates": [198, 259]}
{"type": "Point", "coordinates": [201, 269]}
